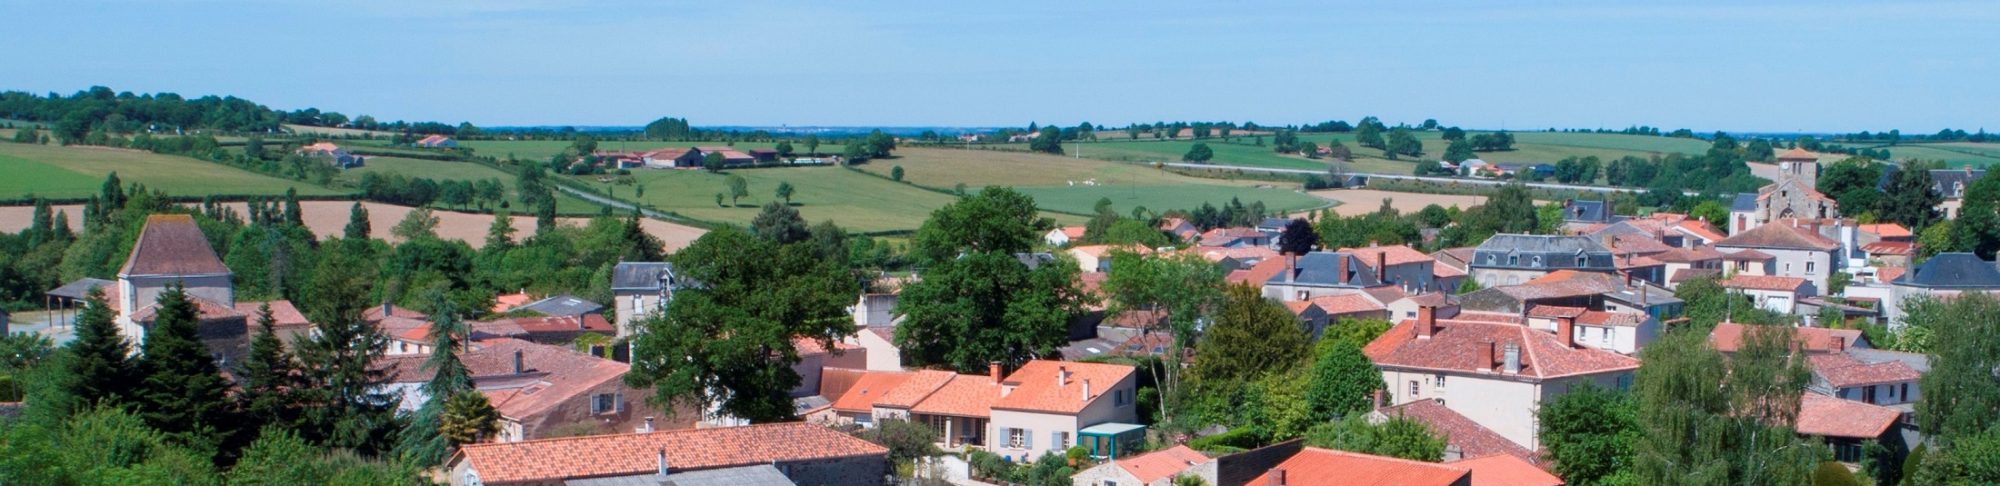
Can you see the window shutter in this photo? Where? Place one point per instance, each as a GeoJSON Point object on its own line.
{"type": "Point", "coordinates": [1027, 439]}
{"type": "Point", "coordinates": [618, 401]}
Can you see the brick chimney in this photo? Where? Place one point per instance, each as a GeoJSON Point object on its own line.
{"type": "Point", "coordinates": [520, 366]}
{"type": "Point", "coordinates": [1486, 356]}
{"type": "Point", "coordinates": [1339, 269]}
{"type": "Point", "coordinates": [1277, 477]}
{"type": "Point", "coordinates": [1377, 399]}
{"type": "Point", "coordinates": [1426, 321]}
{"type": "Point", "coordinates": [1839, 344]}
{"type": "Point", "coordinates": [1566, 331]}
{"type": "Point", "coordinates": [993, 370]}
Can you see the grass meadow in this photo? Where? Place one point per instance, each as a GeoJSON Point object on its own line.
{"type": "Point", "coordinates": [64, 172]}
{"type": "Point", "coordinates": [467, 171]}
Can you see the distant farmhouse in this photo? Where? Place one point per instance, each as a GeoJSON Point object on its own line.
{"type": "Point", "coordinates": [339, 157]}
{"type": "Point", "coordinates": [437, 141]}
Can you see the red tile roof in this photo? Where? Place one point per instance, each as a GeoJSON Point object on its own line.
{"type": "Point", "coordinates": [1798, 154]}
{"type": "Point", "coordinates": [282, 311]}
{"type": "Point", "coordinates": [1701, 229]}
{"type": "Point", "coordinates": [1344, 304]}
{"type": "Point", "coordinates": [1073, 232]}
{"type": "Point", "coordinates": [1611, 319]}
{"type": "Point", "coordinates": [1885, 230]}
{"type": "Point", "coordinates": [1890, 273]}
{"type": "Point", "coordinates": [1258, 274]}
{"type": "Point", "coordinates": [1727, 337]}
{"type": "Point", "coordinates": [1162, 464]}
{"type": "Point", "coordinates": [1393, 255]}
{"type": "Point", "coordinates": [1779, 236]}
{"type": "Point", "coordinates": [1470, 438]}
{"type": "Point", "coordinates": [1890, 248]}
{"type": "Point", "coordinates": [1689, 255]}
{"type": "Point", "coordinates": [963, 396]}
{"type": "Point", "coordinates": [1764, 282]}
{"type": "Point", "coordinates": [1454, 347]}
{"type": "Point", "coordinates": [914, 389]}
{"type": "Point", "coordinates": [1036, 388]}
{"type": "Point", "coordinates": [1217, 253]}
{"type": "Point", "coordinates": [1825, 416]}
{"type": "Point", "coordinates": [1554, 311]}
{"type": "Point", "coordinates": [1748, 255]}
{"type": "Point", "coordinates": [552, 460]}
{"type": "Point", "coordinates": [508, 302]}
{"type": "Point", "coordinates": [551, 374]}
{"type": "Point", "coordinates": [1842, 371]}
{"type": "Point", "coordinates": [872, 386]}
{"type": "Point", "coordinates": [1313, 466]}
{"type": "Point", "coordinates": [1507, 470]}
{"type": "Point", "coordinates": [172, 245]}
{"type": "Point", "coordinates": [1446, 271]}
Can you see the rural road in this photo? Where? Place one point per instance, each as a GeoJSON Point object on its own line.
{"type": "Point", "coordinates": [615, 204]}
{"type": "Point", "coordinates": [1489, 182]}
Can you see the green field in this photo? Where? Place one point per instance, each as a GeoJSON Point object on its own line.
{"type": "Point", "coordinates": [1529, 148]}
{"type": "Point", "coordinates": [1953, 154]}
{"type": "Point", "coordinates": [856, 201]}
{"type": "Point", "coordinates": [541, 150]}
{"type": "Point", "coordinates": [1049, 179]}
{"type": "Point", "coordinates": [54, 171]}
{"type": "Point", "coordinates": [457, 171]}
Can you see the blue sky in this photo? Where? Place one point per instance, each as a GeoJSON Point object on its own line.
{"type": "Point", "coordinates": [1808, 66]}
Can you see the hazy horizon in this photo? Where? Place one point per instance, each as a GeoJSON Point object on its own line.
{"type": "Point", "coordinates": [1771, 67]}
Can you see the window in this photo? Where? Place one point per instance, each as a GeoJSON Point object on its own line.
{"type": "Point", "coordinates": [1582, 261]}
{"type": "Point", "coordinates": [1438, 381]}
{"type": "Point", "coordinates": [638, 304]}
{"type": "Point", "coordinates": [1514, 260]}
{"type": "Point", "coordinates": [1788, 267]}
{"type": "Point", "coordinates": [1809, 268]}
{"type": "Point", "coordinates": [604, 403]}
{"type": "Point", "coordinates": [1059, 440]}
{"type": "Point", "coordinates": [1414, 391]}
{"type": "Point", "coordinates": [1906, 392]}
{"type": "Point", "coordinates": [1303, 295]}
{"type": "Point", "coordinates": [1538, 260]}
{"type": "Point", "coordinates": [1017, 438]}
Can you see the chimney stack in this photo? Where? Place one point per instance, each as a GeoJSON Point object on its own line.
{"type": "Point", "coordinates": [1426, 321]}
{"type": "Point", "coordinates": [649, 424]}
{"type": "Point", "coordinates": [386, 308]}
{"type": "Point", "coordinates": [1086, 389]}
{"type": "Point", "coordinates": [1277, 477]}
{"type": "Point", "coordinates": [519, 366]}
{"type": "Point", "coordinates": [663, 462]}
{"type": "Point", "coordinates": [1062, 376]}
{"type": "Point", "coordinates": [1486, 356]}
{"type": "Point", "coordinates": [1839, 344]}
{"type": "Point", "coordinates": [1378, 399]}
{"type": "Point", "coordinates": [1381, 267]}
{"type": "Point", "coordinates": [1513, 359]}
{"type": "Point", "coordinates": [1566, 331]}
{"type": "Point", "coordinates": [993, 369]}
{"type": "Point", "coordinates": [1340, 270]}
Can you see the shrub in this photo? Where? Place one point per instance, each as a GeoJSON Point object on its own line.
{"type": "Point", "coordinates": [1832, 473]}
{"type": "Point", "coordinates": [1237, 438]}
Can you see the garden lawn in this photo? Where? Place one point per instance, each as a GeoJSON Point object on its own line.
{"type": "Point", "coordinates": [67, 172]}
{"type": "Point", "coordinates": [461, 171]}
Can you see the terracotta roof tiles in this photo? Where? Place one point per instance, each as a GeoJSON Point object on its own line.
{"type": "Point", "coordinates": [1825, 416]}
{"type": "Point", "coordinates": [1455, 343]}
{"type": "Point", "coordinates": [914, 389]}
{"type": "Point", "coordinates": [1345, 304]}
{"type": "Point", "coordinates": [1036, 385]}
{"type": "Point", "coordinates": [552, 460]}
{"type": "Point", "coordinates": [1842, 371]}
{"type": "Point", "coordinates": [871, 387]}
{"type": "Point", "coordinates": [1392, 255]}
{"type": "Point", "coordinates": [1162, 464]}
{"type": "Point", "coordinates": [1313, 466]}
{"type": "Point", "coordinates": [963, 396]}
{"type": "Point", "coordinates": [1464, 434]}
{"type": "Point", "coordinates": [1727, 337]}
{"type": "Point", "coordinates": [1507, 470]}
{"type": "Point", "coordinates": [1779, 236]}
{"type": "Point", "coordinates": [1764, 282]}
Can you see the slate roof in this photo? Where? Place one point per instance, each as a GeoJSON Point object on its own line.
{"type": "Point", "coordinates": [1322, 269]}
{"type": "Point", "coordinates": [1841, 371]}
{"type": "Point", "coordinates": [551, 460]}
{"type": "Point", "coordinates": [641, 275]}
{"type": "Point", "coordinates": [1470, 438]}
{"type": "Point", "coordinates": [1824, 416]}
{"type": "Point", "coordinates": [1313, 466]}
{"type": "Point", "coordinates": [1556, 252]}
{"type": "Point", "coordinates": [172, 245]}
{"type": "Point", "coordinates": [1951, 183]}
{"type": "Point", "coordinates": [1036, 388]}
{"type": "Point", "coordinates": [562, 305]}
{"type": "Point", "coordinates": [1582, 210]}
{"type": "Point", "coordinates": [1162, 464]}
{"type": "Point", "coordinates": [1779, 236]}
{"type": "Point", "coordinates": [1745, 202]}
{"type": "Point", "coordinates": [1727, 337]}
{"type": "Point", "coordinates": [1454, 347]}
{"type": "Point", "coordinates": [1952, 271]}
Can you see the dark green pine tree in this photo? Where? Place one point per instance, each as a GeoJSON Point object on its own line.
{"type": "Point", "coordinates": [421, 441]}
{"type": "Point", "coordinates": [269, 377]}
{"type": "Point", "coordinates": [293, 213]}
{"type": "Point", "coordinates": [347, 407]}
{"type": "Point", "coordinates": [99, 358]}
{"type": "Point", "coordinates": [181, 391]}
{"type": "Point", "coordinates": [357, 223]}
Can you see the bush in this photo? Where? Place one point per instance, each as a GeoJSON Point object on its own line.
{"type": "Point", "coordinates": [990, 466]}
{"type": "Point", "coordinates": [1237, 438]}
{"type": "Point", "coordinates": [1913, 461]}
{"type": "Point", "coordinates": [1832, 473]}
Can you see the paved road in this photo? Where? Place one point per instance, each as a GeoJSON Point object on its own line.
{"type": "Point", "coordinates": [1489, 182]}
{"type": "Point", "coordinates": [615, 204]}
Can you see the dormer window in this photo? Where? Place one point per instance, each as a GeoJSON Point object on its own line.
{"type": "Point", "coordinates": [1538, 260]}
{"type": "Point", "coordinates": [1513, 260]}
{"type": "Point", "coordinates": [1582, 261]}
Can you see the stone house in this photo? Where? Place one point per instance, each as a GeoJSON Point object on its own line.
{"type": "Point", "coordinates": [638, 290]}
{"type": "Point", "coordinates": [1796, 251]}
{"type": "Point", "coordinates": [1943, 275]}
{"type": "Point", "coordinates": [172, 250]}
{"type": "Point", "coordinates": [1492, 368]}
{"type": "Point", "coordinates": [540, 389]}
{"type": "Point", "coordinates": [1509, 259]}
{"type": "Point", "coordinates": [1778, 294]}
